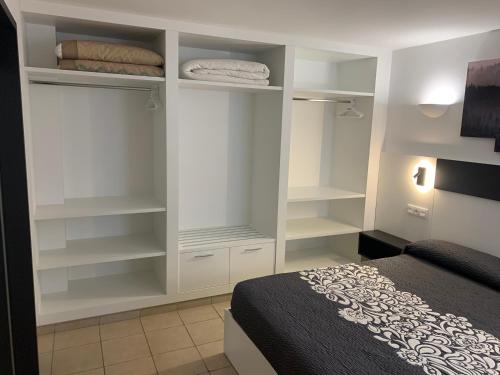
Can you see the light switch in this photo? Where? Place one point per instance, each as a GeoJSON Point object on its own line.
{"type": "Point", "coordinates": [418, 211]}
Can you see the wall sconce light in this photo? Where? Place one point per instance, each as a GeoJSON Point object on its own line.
{"type": "Point", "coordinates": [439, 92]}
{"type": "Point", "coordinates": [433, 110]}
{"type": "Point", "coordinates": [423, 176]}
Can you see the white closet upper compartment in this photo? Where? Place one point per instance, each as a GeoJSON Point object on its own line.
{"type": "Point", "coordinates": [193, 46]}
{"type": "Point", "coordinates": [44, 32]}
{"type": "Point", "coordinates": [326, 74]}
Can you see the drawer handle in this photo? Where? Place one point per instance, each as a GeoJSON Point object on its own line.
{"type": "Point", "coordinates": [252, 250]}
{"type": "Point", "coordinates": [204, 255]}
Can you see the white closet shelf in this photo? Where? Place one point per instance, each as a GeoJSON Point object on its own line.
{"type": "Point", "coordinates": [101, 250]}
{"type": "Point", "coordinates": [209, 238]}
{"type": "Point", "coordinates": [98, 292]}
{"type": "Point", "coordinates": [329, 94]}
{"type": "Point", "coordinates": [320, 193]}
{"type": "Point", "coordinates": [304, 259]}
{"type": "Point", "coordinates": [94, 78]}
{"type": "Point", "coordinates": [223, 86]}
{"type": "Point", "coordinates": [102, 206]}
{"type": "Point", "coordinates": [312, 227]}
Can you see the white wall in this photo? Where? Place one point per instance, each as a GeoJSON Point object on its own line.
{"type": "Point", "coordinates": [395, 191]}
{"type": "Point", "coordinates": [435, 73]}
{"type": "Point", "coordinates": [13, 6]}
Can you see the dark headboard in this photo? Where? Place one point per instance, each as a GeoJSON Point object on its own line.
{"type": "Point", "coordinates": [476, 179]}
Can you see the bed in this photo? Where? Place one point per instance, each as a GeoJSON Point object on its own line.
{"type": "Point", "coordinates": [433, 310]}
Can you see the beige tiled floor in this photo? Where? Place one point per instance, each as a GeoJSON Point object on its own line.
{"type": "Point", "coordinates": [182, 339]}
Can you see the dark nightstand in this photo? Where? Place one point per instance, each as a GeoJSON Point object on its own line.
{"type": "Point", "coordinates": [375, 244]}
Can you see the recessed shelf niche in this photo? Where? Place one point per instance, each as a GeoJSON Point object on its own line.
{"type": "Point", "coordinates": [330, 74]}
{"type": "Point", "coordinates": [89, 262]}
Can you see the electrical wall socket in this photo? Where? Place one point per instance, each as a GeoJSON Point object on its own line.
{"type": "Point", "coordinates": [418, 211]}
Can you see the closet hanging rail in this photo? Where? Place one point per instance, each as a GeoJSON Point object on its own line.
{"type": "Point", "coordinates": [350, 112]}
{"type": "Point", "coordinates": [129, 88]}
{"type": "Point", "coordinates": [342, 101]}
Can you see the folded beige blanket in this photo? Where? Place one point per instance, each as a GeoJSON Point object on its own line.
{"type": "Point", "coordinates": [226, 70]}
{"type": "Point", "coordinates": [111, 52]}
{"type": "Point", "coordinates": [111, 67]}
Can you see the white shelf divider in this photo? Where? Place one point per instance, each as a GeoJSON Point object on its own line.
{"type": "Point", "coordinates": [329, 94]}
{"type": "Point", "coordinates": [102, 206]}
{"type": "Point", "coordinates": [95, 78]}
{"type": "Point", "coordinates": [209, 238]}
{"type": "Point", "coordinates": [320, 193]}
{"type": "Point", "coordinates": [94, 294]}
{"type": "Point", "coordinates": [297, 229]}
{"type": "Point", "coordinates": [101, 250]}
{"type": "Point", "coordinates": [224, 86]}
{"type": "Point", "coordinates": [304, 259]}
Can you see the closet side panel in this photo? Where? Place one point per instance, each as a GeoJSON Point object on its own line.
{"type": "Point", "coordinates": [160, 170]}
{"type": "Point", "coordinates": [357, 75]}
{"type": "Point", "coordinates": [351, 148]}
{"type": "Point", "coordinates": [160, 132]}
{"type": "Point", "coordinates": [203, 140]}
{"type": "Point", "coordinates": [40, 45]}
{"type": "Point", "coordinates": [215, 158]}
{"type": "Point", "coordinates": [379, 121]}
{"type": "Point", "coordinates": [266, 162]}
{"type": "Point", "coordinates": [107, 143]}
{"type": "Point", "coordinates": [308, 127]}
{"type": "Point", "coordinates": [286, 125]}
{"type": "Point", "coordinates": [47, 135]}
{"type": "Point", "coordinates": [172, 161]}
{"type": "Point", "coordinates": [315, 73]}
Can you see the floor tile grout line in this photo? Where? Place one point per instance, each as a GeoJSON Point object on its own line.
{"type": "Point", "coordinates": [149, 346]}
{"type": "Point", "coordinates": [196, 347]}
{"type": "Point", "coordinates": [202, 321]}
{"type": "Point", "coordinates": [53, 347]}
{"type": "Point", "coordinates": [210, 342]}
{"type": "Point", "coordinates": [100, 344]}
{"type": "Point", "coordinates": [198, 321]}
{"type": "Point", "coordinates": [101, 341]}
{"type": "Point", "coordinates": [203, 359]}
{"type": "Point", "coordinates": [75, 346]}
{"type": "Point", "coordinates": [122, 337]}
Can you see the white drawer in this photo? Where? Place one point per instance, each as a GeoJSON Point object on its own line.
{"type": "Point", "coordinates": [248, 262]}
{"type": "Point", "coordinates": [203, 269]}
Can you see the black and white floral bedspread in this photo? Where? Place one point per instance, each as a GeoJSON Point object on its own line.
{"type": "Point", "coordinates": [400, 315]}
{"type": "Point", "coordinates": [440, 343]}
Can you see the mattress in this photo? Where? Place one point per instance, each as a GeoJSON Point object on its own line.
{"type": "Point", "coordinates": [302, 327]}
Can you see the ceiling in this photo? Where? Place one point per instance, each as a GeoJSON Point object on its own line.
{"type": "Point", "coordinates": [392, 24]}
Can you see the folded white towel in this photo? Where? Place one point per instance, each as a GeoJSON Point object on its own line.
{"type": "Point", "coordinates": [226, 70]}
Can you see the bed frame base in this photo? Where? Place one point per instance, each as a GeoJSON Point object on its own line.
{"type": "Point", "coordinates": [241, 351]}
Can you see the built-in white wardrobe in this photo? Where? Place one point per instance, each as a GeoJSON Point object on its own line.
{"type": "Point", "coordinates": [146, 191]}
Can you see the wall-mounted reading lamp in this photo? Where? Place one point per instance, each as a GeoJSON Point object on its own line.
{"type": "Point", "coordinates": [423, 176]}
{"type": "Point", "coordinates": [420, 176]}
